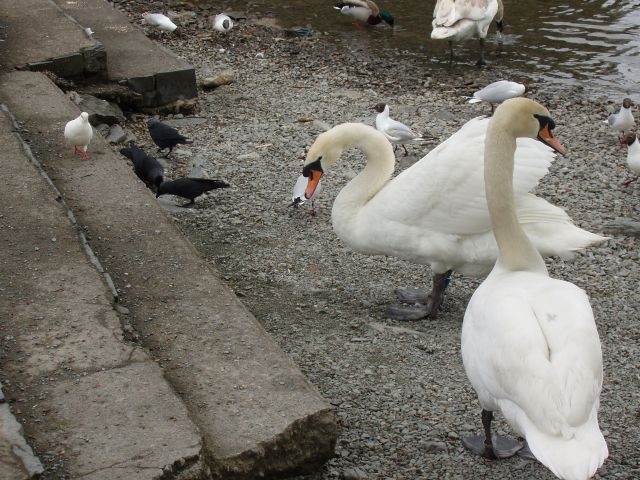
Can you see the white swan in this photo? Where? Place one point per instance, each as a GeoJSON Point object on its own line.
{"type": "Point", "coordinates": [456, 20]}
{"type": "Point", "coordinates": [435, 213]}
{"type": "Point", "coordinates": [396, 132]}
{"type": "Point", "coordinates": [78, 132]}
{"type": "Point", "coordinates": [633, 157]}
{"type": "Point", "coordinates": [530, 346]}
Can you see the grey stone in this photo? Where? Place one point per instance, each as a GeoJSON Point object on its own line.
{"type": "Point", "coordinates": [116, 134]}
{"type": "Point", "coordinates": [180, 122]}
{"type": "Point", "coordinates": [435, 447]}
{"type": "Point", "coordinates": [101, 111]}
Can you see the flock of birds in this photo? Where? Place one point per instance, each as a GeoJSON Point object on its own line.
{"type": "Point", "coordinates": [530, 345]}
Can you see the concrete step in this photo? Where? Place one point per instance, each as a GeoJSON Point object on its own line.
{"type": "Point", "coordinates": [256, 411]}
{"type": "Point", "coordinates": [147, 68]}
{"type": "Point", "coordinates": [40, 36]}
{"type": "Point", "coordinates": [94, 405]}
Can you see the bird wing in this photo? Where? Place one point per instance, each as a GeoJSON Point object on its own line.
{"type": "Point", "coordinates": [165, 132]}
{"type": "Point", "coordinates": [448, 12]}
{"type": "Point", "coordinates": [398, 130]}
{"type": "Point", "coordinates": [544, 352]}
{"type": "Point", "coordinates": [444, 191]}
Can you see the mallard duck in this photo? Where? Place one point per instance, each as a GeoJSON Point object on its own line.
{"type": "Point", "coordinates": [456, 20]}
{"type": "Point", "coordinates": [530, 345]}
{"type": "Point", "coordinates": [364, 11]}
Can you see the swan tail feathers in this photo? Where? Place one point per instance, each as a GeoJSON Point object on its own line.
{"type": "Point", "coordinates": [473, 100]}
{"type": "Point", "coordinates": [576, 458]}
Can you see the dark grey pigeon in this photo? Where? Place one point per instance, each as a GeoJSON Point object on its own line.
{"type": "Point", "coordinates": [189, 187]}
{"type": "Point", "coordinates": [147, 168]}
{"type": "Point", "coordinates": [165, 136]}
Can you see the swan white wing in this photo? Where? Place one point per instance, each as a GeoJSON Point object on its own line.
{"type": "Point", "coordinates": [444, 191]}
{"type": "Point", "coordinates": [448, 12]}
{"type": "Point", "coordinates": [544, 356]}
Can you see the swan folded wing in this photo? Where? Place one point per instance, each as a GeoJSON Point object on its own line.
{"type": "Point", "coordinates": [444, 191]}
{"type": "Point", "coordinates": [549, 364]}
{"type": "Point", "coordinates": [448, 12]}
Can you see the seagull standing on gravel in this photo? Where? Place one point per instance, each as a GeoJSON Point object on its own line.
{"type": "Point", "coordinates": [396, 132]}
{"type": "Point", "coordinates": [623, 120]}
{"type": "Point", "coordinates": [160, 21]}
{"type": "Point", "coordinates": [498, 92]}
{"type": "Point", "coordinates": [165, 136]}
{"type": "Point", "coordinates": [222, 23]}
{"type": "Point", "coordinates": [633, 157]}
{"type": "Point", "coordinates": [78, 132]}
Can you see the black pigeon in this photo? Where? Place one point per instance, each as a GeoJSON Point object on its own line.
{"type": "Point", "coordinates": [147, 168]}
{"type": "Point", "coordinates": [189, 187]}
{"type": "Point", "coordinates": [165, 136]}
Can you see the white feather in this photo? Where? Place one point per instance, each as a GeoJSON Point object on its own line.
{"type": "Point", "coordinates": [160, 21]}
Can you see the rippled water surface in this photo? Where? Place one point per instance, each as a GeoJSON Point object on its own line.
{"type": "Point", "coordinates": [594, 44]}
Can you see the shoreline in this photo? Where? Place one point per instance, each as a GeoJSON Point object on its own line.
{"type": "Point", "coordinates": [399, 388]}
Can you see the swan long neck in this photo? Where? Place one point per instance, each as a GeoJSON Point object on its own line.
{"type": "Point", "coordinates": [516, 252]}
{"type": "Point", "coordinates": [377, 171]}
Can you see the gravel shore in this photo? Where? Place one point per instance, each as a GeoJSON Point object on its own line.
{"type": "Point", "coordinates": [399, 388]}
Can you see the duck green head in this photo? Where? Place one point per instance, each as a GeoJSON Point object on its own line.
{"type": "Point", "coordinates": [386, 16]}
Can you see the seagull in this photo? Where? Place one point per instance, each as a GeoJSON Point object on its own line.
{"type": "Point", "coordinates": [78, 132]}
{"type": "Point", "coordinates": [147, 168]}
{"type": "Point", "coordinates": [222, 23]}
{"type": "Point", "coordinates": [298, 196]}
{"type": "Point", "coordinates": [159, 20]}
{"type": "Point", "coordinates": [396, 132]}
{"type": "Point", "coordinates": [189, 188]}
{"type": "Point", "coordinates": [498, 92]}
{"type": "Point", "coordinates": [633, 157]}
{"type": "Point", "coordinates": [623, 120]}
{"type": "Point", "coordinates": [458, 20]}
{"type": "Point", "coordinates": [165, 136]}
{"type": "Point", "coordinates": [364, 11]}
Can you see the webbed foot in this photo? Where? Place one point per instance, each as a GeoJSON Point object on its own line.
{"type": "Point", "coordinates": [500, 447]}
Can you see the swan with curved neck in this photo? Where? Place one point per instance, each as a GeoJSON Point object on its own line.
{"type": "Point", "coordinates": [434, 212]}
{"type": "Point", "coordinates": [530, 345]}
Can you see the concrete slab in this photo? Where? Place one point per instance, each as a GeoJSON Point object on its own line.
{"type": "Point", "coordinates": [123, 424]}
{"type": "Point", "coordinates": [65, 368]}
{"type": "Point", "coordinates": [148, 68]}
{"type": "Point", "coordinates": [256, 411]}
{"type": "Point", "coordinates": [39, 36]}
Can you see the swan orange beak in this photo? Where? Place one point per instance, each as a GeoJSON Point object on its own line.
{"type": "Point", "coordinates": [312, 183]}
{"type": "Point", "coordinates": [545, 136]}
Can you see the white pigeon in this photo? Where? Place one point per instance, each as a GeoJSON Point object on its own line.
{"type": "Point", "coordinates": [160, 21]}
{"type": "Point", "coordinates": [222, 23]}
{"type": "Point", "coordinates": [498, 92]}
{"type": "Point", "coordinates": [78, 132]}
{"type": "Point", "coordinates": [623, 120]}
{"type": "Point", "coordinates": [298, 196]}
{"type": "Point", "coordinates": [633, 157]}
{"type": "Point", "coordinates": [396, 132]}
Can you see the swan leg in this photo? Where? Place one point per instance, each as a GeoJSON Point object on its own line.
{"type": "Point", "coordinates": [481, 61]}
{"type": "Point", "coordinates": [425, 305]}
{"type": "Point", "coordinates": [491, 446]}
{"type": "Point", "coordinates": [450, 51]}
{"type": "Point", "coordinates": [405, 151]}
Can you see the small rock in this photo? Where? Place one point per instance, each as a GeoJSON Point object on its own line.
{"type": "Point", "coordinates": [354, 474]}
{"type": "Point", "coordinates": [435, 447]}
{"type": "Point", "coordinates": [223, 78]}
{"type": "Point", "coordinates": [101, 111]}
{"type": "Point", "coordinates": [116, 134]}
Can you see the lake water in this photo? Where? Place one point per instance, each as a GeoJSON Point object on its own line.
{"type": "Point", "coordinates": [594, 44]}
